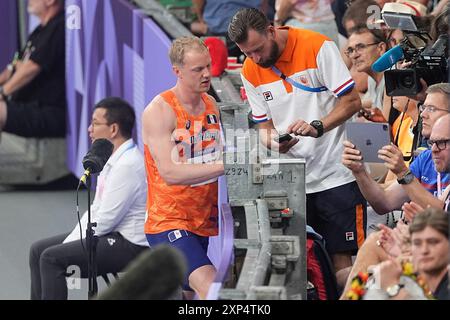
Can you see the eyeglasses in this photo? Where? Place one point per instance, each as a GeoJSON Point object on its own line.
{"type": "Point", "coordinates": [358, 48]}
{"type": "Point", "coordinates": [440, 144]}
{"type": "Point", "coordinates": [430, 108]}
{"type": "Point", "coordinates": [94, 124]}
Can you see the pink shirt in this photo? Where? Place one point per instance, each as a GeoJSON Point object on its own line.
{"type": "Point", "coordinates": [309, 11]}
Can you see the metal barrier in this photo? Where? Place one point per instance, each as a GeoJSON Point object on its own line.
{"type": "Point", "coordinates": [267, 199]}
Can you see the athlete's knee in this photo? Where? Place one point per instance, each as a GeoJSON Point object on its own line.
{"type": "Point", "coordinates": [201, 279]}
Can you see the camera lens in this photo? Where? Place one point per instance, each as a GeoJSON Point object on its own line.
{"type": "Point", "coordinates": [407, 81]}
{"type": "Point", "coordinates": [385, 127]}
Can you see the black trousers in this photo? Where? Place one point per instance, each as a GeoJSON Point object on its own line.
{"type": "Point", "coordinates": [33, 119]}
{"type": "Point", "coordinates": [51, 260]}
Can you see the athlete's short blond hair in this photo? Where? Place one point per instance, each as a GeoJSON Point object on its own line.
{"type": "Point", "coordinates": [182, 45]}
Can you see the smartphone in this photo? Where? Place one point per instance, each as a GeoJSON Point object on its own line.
{"type": "Point", "coordinates": [283, 137]}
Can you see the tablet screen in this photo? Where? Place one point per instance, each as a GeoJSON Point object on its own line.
{"type": "Point", "coordinates": [369, 137]}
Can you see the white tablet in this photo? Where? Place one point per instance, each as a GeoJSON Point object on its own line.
{"type": "Point", "coordinates": [369, 137]}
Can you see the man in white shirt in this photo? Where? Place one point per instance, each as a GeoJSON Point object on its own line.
{"type": "Point", "coordinates": [118, 209]}
{"type": "Point", "coordinates": [364, 47]}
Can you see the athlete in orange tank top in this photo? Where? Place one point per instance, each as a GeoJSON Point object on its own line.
{"type": "Point", "coordinates": [181, 133]}
{"type": "Point", "coordinates": [171, 206]}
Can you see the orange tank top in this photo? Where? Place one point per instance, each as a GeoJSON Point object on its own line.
{"type": "Point", "coordinates": [192, 208]}
{"type": "Point", "coordinates": [403, 128]}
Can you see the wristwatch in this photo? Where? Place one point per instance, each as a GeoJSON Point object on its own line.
{"type": "Point", "coordinates": [392, 291]}
{"type": "Point", "coordinates": [407, 178]}
{"type": "Point", "coordinates": [318, 125]}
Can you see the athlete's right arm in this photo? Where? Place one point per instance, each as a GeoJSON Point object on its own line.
{"type": "Point", "coordinates": [158, 124]}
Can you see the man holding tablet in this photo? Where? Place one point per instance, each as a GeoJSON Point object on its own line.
{"type": "Point", "coordinates": [436, 105]}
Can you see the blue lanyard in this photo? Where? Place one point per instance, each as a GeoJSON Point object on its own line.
{"type": "Point", "coordinates": [295, 83]}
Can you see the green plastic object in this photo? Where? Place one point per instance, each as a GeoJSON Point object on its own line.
{"type": "Point", "coordinates": [176, 3]}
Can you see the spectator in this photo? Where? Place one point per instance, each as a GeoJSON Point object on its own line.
{"type": "Point", "coordinates": [394, 279]}
{"type": "Point", "coordinates": [406, 135]}
{"type": "Point", "coordinates": [32, 88]}
{"type": "Point", "coordinates": [440, 23]}
{"type": "Point", "coordinates": [404, 127]}
{"type": "Point", "coordinates": [437, 104]}
{"type": "Point", "coordinates": [283, 66]}
{"type": "Point", "coordinates": [439, 139]}
{"type": "Point", "coordinates": [118, 209]}
{"type": "Point", "coordinates": [440, 147]}
{"type": "Point", "coordinates": [357, 14]}
{"type": "Point", "coordinates": [339, 7]}
{"type": "Point", "coordinates": [440, 7]}
{"type": "Point", "coordinates": [313, 15]}
{"type": "Point", "coordinates": [364, 47]}
{"type": "Point", "coordinates": [404, 132]}
{"type": "Point", "coordinates": [181, 136]}
{"type": "Point", "coordinates": [394, 37]}
{"type": "Point", "coordinates": [213, 17]}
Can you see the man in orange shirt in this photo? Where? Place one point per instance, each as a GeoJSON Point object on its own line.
{"type": "Point", "coordinates": [297, 83]}
{"type": "Point", "coordinates": [181, 136]}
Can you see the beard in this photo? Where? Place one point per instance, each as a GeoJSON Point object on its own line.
{"type": "Point", "coordinates": [273, 56]}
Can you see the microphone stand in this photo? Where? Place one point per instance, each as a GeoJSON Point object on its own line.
{"type": "Point", "coordinates": [91, 244]}
{"type": "Point", "coordinates": [93, 162]}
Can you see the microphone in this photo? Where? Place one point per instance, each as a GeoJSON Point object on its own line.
{"type": "Point", "coordinates": [155, 274]}
{"type": "Point", "coordinates": [96, 158]}
{"type": "Point", "coordinates": [388, 59]}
